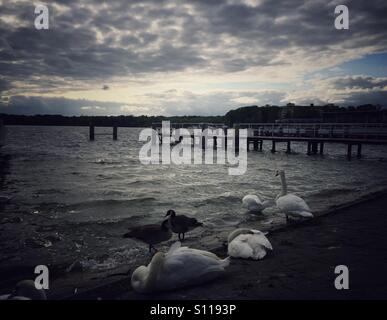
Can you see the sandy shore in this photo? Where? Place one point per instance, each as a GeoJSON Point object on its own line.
{"type": "Point", "coordinates": [302, 264]}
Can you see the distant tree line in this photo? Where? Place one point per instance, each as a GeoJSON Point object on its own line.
{"type": "Point", "coordinates": [108, 121]}
{"type": "Point", "coordinates": [249, 114]}
{"type": "Point", "coordinates": [310, 113]}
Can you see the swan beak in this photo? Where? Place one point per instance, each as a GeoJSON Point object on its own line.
{"type": "Point", "coordinates": [276, 174]}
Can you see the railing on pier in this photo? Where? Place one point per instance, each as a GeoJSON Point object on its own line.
{"type": "Point", "coordinates": [190, 125]}
{"type": "Point", "coordinates": [317, 130]}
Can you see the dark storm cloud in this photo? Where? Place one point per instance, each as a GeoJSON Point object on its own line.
{"type": "Point", "coordinates": [377, 97]}
{"type": "Point", "coordinates": [360, 82]}
{"type": "Point", "coordinates": [42, 105]}
{"type": "Point", "coordinates": [98, 40]}
{"type": "Point", "coordinates": [71, 48]}
{"type": "Point", "coordinates": [4, 85]}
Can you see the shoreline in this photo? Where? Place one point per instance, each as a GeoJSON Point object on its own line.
{"type": "Point", "coordinates": [247, 279]}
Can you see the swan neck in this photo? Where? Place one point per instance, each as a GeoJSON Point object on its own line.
{"type": "Point", "coordinates": [155, 269]}
{"type": "Point", "coordinates": [284, 185]}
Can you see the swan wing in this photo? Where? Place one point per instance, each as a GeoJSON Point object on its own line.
{"type": "Point", "coordinates": [252, 202]}
{"type": "Point", "coordinates": [186, 250]}
{"type": "Point", "coordinates": [292, 203]}
{"type": "Point", "coordinates": [240, 248]}
{"type": "Point", "coordinates": [260, 238]}
{"type": "Point", "coordinates": [190, 266]}
{"type": "Point", "coordinates": [247, 246]}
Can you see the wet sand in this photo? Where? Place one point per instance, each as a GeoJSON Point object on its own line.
{"type": "Point", "coordinates": [301, 265]}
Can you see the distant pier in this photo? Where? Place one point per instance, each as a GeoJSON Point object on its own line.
{"type": "Point", "coordinates": [201, 126]}
{"type": "Point", "coordinates": [316, 135]}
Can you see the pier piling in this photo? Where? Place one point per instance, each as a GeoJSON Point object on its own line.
{"type": "Point", "coordinates": [115, 132]}
{"type": "Point", "coordinates": [288, 150]}
{"type": "Point", "coordinates": [314, 147]}
{"type": "Point", "coordinates": [359, 151]}
{"type": "Point", "coordinates": [256, 143]}
{"type": "Point", "coordinates": [349, 151]}
{"type": "Point", "coordinates": [91, 132]}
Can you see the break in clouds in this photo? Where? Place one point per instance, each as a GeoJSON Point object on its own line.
{"type": "Point", "coordinates": [184, 57]}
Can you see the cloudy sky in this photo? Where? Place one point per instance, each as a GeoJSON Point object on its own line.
{"type": "Point", "coordinates": [197, 57]}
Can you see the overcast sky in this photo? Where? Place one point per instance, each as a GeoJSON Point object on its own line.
{"type": "Point", "coordinates": [198, 57]}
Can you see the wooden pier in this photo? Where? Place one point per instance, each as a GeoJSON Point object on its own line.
{"type": "Point", "coordinates": [201, 126]}
{"type": "Point", "coordinates": [314, 145]}
{"type": "Point", "coordinates": [315, 135]}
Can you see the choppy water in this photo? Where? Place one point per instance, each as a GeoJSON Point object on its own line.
{"type": "Point", "coordinates": [78, 197]}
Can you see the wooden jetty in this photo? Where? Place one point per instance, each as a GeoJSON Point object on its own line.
{"type": "Point", "coordinates": [190, 127]}
{"type": "Point", "coordinates": [315, 135]}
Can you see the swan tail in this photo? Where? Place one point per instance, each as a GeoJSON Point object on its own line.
{"type": "Point", "coordinates": [306, 214]}
{"type": "Point", "coordinates": [225, 262]}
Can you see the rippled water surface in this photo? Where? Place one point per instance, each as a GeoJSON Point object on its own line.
{"type": "Point", "coordinates": [75, 198]}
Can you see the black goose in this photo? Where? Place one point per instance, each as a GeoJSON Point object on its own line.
{"type": "Point", "coordinates": [151, 234]}
{"type": "Point", "coordinates": [181, 224]}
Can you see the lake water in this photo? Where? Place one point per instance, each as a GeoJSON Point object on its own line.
{"type": "Point", "coordinates": [74, 198]}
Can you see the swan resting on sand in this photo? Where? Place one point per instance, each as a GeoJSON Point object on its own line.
{"type": "Point", "coordinates": [180, 267]}
{"type": "Point", "coordinates": [248, 244]}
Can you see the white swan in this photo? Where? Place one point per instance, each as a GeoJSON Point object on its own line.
{"type": "Point", "coordinates": [248, 243]}
{"type": "Point", "coordinates": [291, 204]}
{"type": "Point", "coordinates": [180, 267]}
{"type": "Point", "coordinates": [254, 204]}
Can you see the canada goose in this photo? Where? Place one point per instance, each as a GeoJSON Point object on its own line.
{"type": "Point", "coordinates": [151, 234]}
{"type": "Point", "coordinates": [180, 267]}
{"type": "Point", "coordinates": [25, 290]}
{"type": "Point", "coordinates": [248, 243]}
{"type": "Point", "coordinates": [291, 204]}
{"type": "Point", "coordinates": [181, 224]}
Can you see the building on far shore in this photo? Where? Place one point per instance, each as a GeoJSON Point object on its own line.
{"type": "Point", "coordinates": [355, 116]}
